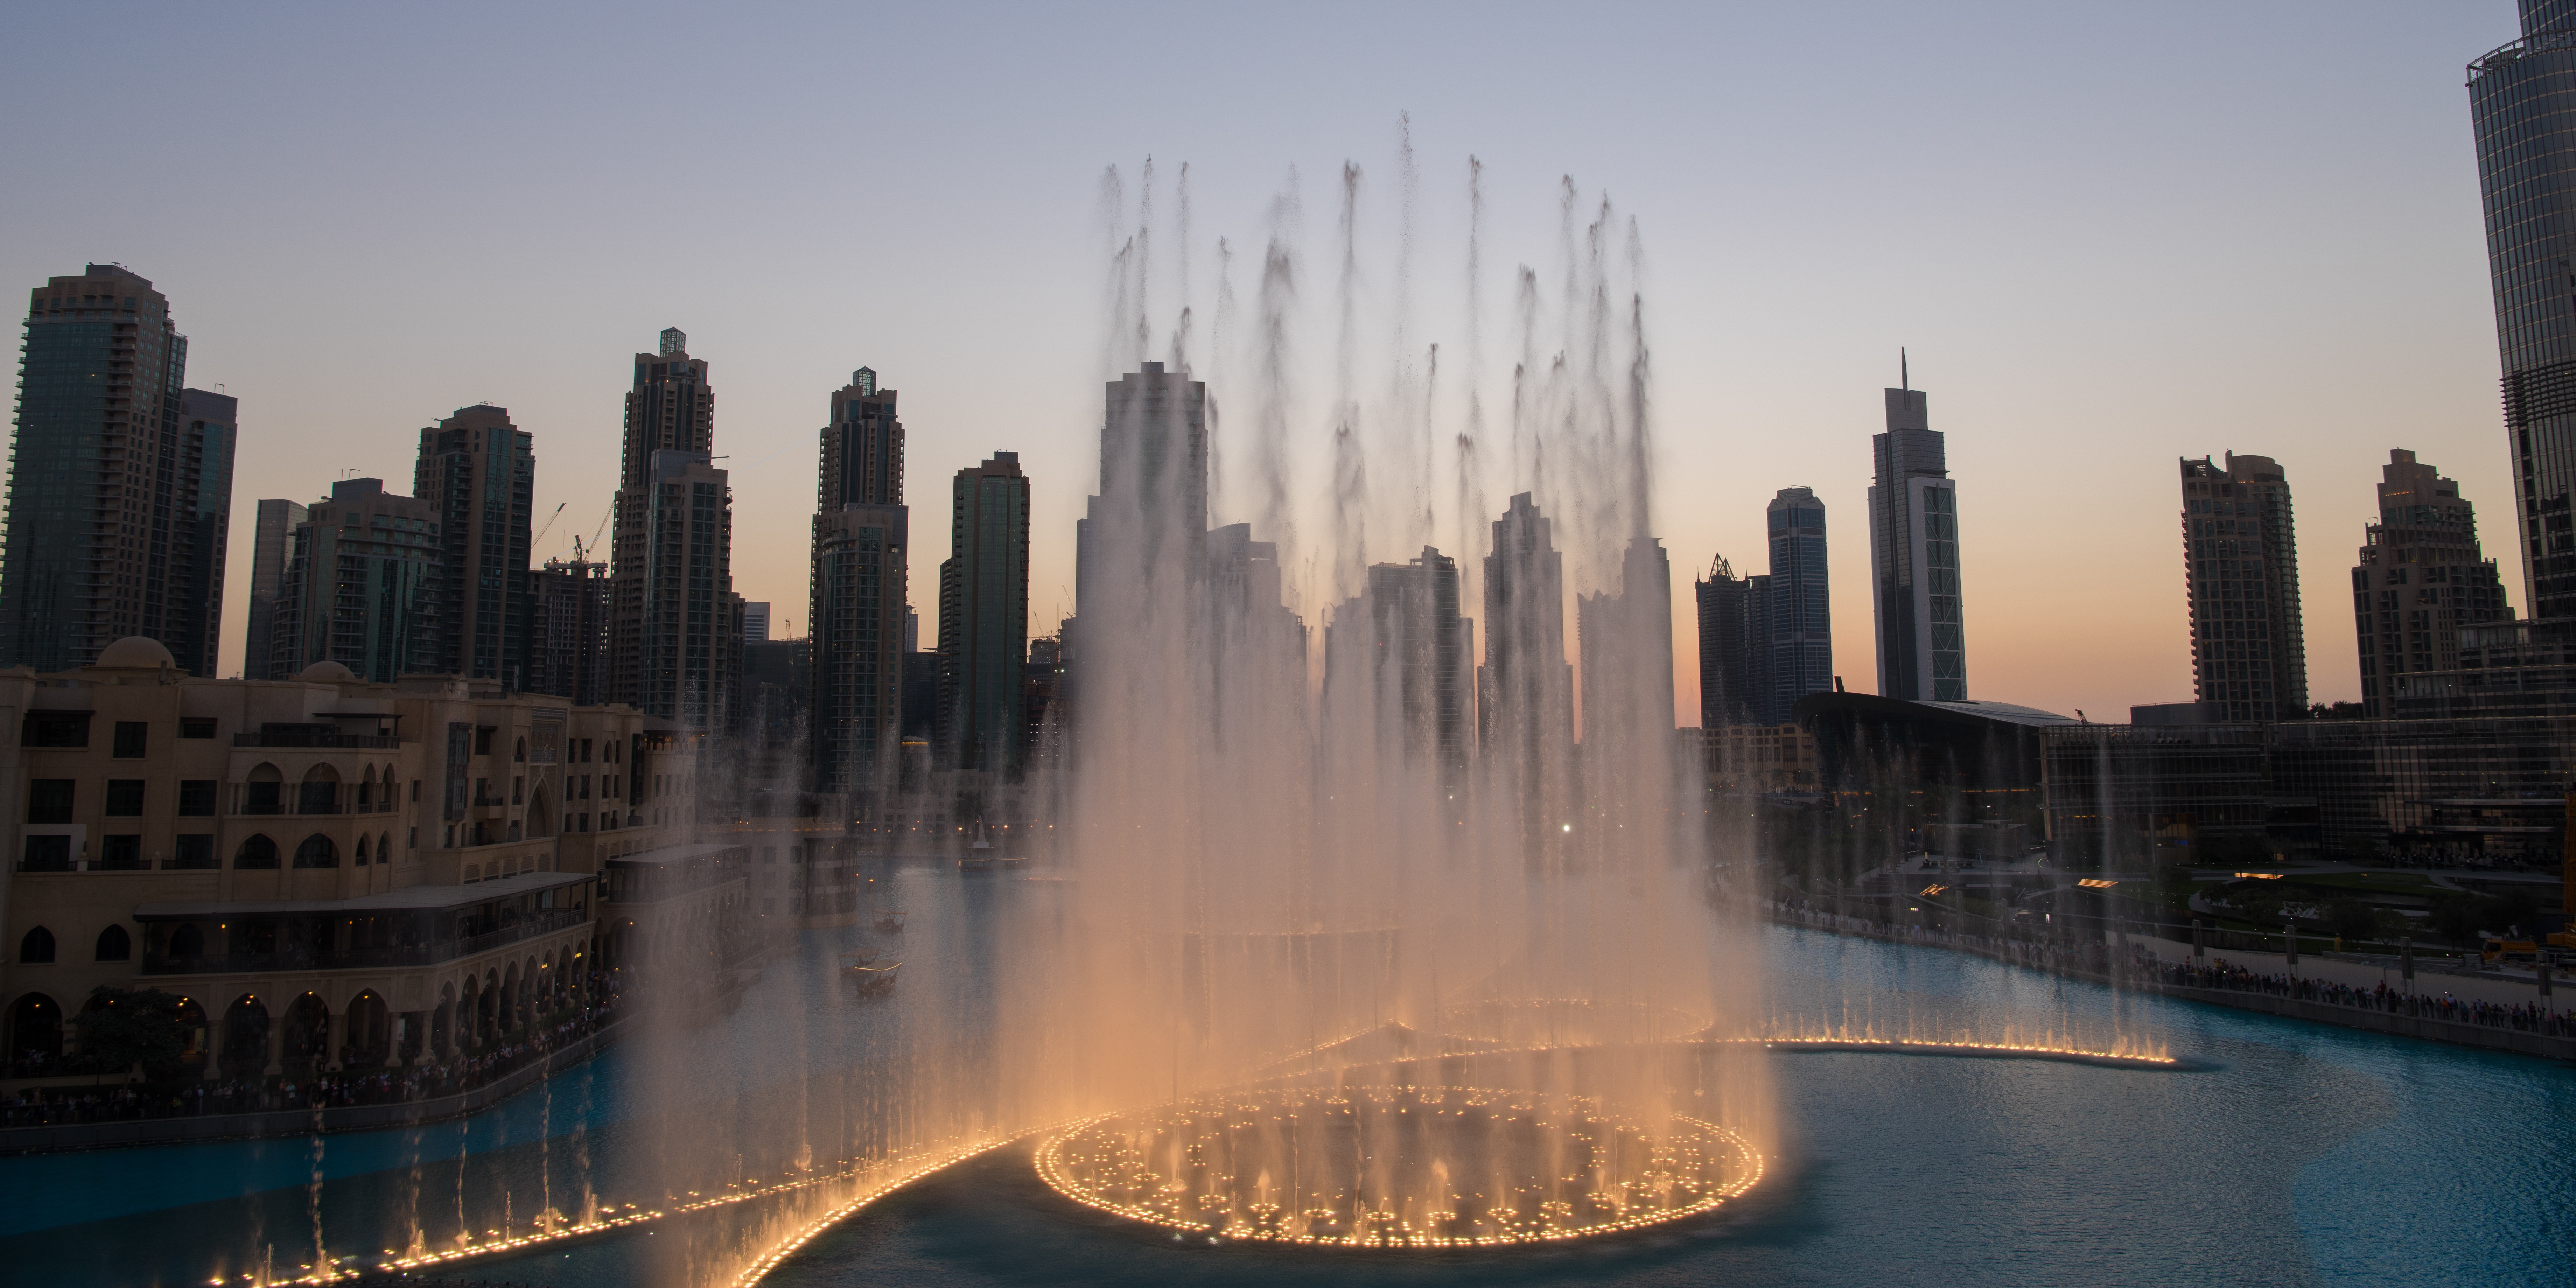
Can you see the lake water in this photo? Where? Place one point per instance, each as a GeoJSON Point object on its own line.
{"type": "Point", "coordinates": [2307, 1155]}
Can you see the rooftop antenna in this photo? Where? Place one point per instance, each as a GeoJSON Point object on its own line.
{"type": "Point", "coordinates": [1904, 380]}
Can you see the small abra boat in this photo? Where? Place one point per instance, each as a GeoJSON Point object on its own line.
{"type": "Point", "coordinates": [875, 979]}
{"type": "Point", "coordinates": [884, 918]}
{"type": "Point", "coordinates": [863, 957]}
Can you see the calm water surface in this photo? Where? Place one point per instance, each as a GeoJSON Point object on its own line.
{"type": "Point", "coordinates": [2309, 1156]}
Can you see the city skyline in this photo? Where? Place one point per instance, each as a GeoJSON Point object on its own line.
{"type": "Point", "coordinates": [1739, 414]}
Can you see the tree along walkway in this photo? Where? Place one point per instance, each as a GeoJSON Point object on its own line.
{"type": "Point", "coordinates": [2058, 961]}
{"type": "Point", "coordinates": [311, 1120]}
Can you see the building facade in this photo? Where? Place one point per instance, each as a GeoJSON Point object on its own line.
{"type": "Point", "coordinates": [120, 481]}
{"type": "Point", "coordinates": [2249, 653]}
{"type": "Point", "coordinates": [1800, 626]}
{"type": "Point", "coordinates": [984, 619]}
{"type": "Point", "coordinates": [568, 606]}
{"type": "Point", "coordinates": [272, 549]}
{"type": "Point", "coordinates": [362, 586]}
{"type": "Point", "coordinates": [2420, 578]}
{"type": "Point", "coordinates": [1403, 644]}
{"type": "Point", "coordinates": [1151, 514]}
{"type": "Point", "coordinates": [1734, 653]}
{"type": "Point", "coordinates": [675, 633]}
{"type": "Point", "coordinates": [858, 601]}
{"type": "Point", "coordinates": [2522, 102]}
{"type": "Point", "coordinates": [333, 874]}
{"type": "Point", "coordinates": [480, 472]}
{"type": "Point", "coordinates": [1914, 558]}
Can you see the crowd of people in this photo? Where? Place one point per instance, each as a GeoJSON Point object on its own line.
{"type": "Point", "coordinates": [461, 1072]}
{"type": "Point", "coordinates": [2529, 1017]}
{"type": "Point", "coordinates": [2143, 969]}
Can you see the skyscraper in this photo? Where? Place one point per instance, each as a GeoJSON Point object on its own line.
{"type": "Point", "coordinates": [202, 517]}
{"type": "Point", "coordinates": [1799, 625]}
{"type": "Point", "coordinates": [120, 479]}
{"type": "Point", "coordinates": [1403, 640]}
{"type": "Point", "coordinates": [984, 618]}
{"type": "Point", "coordinates": [362, 586]}
{"type": "Point", "coordinates": [568, 603]}
{"type": "Point", "coordinates": [1627, 644]}
{"type": "Point", "coordinates": [2420, 578]}
{"type": "Point", "coordinates": [674, 642]}
{"type": "Point", "coordinates": [1526, 690]}
{"type": "Point", "coordinates": [755, 621]}
{"type": "Point", "coordinates": [1733, 660]}
{"type": "Point", "coordinates": [855, 618]}
{"type": "Point", "coordinates": [2522, 99]}
{"type": "Point", "coordinates": [1151, 514]}
{"type": "Point", "coordinates": [481, 473]}
{"type": "Point", "coordinates": [272, 547]}
{"type": "Point", "coordinates": [1914, 558]}
{"type": "Point", "coordinates": [2249, 654]}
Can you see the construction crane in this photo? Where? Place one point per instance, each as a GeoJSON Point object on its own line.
{"type": "Point", "coordinates": [550, 523]}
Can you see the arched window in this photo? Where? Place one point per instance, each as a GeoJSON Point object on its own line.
{"type": "Point", "coordinates": [384, 847]}
{"type": "Point", "coordinates": [257, 852]}
{"type": "Point", "coordinates": [362, 851]}
{"type": "Point", "coordinates": [320, 793]}
{"type": "Point", "coordinates": [261, 792]}
{"type": "Point", "coordinates": [367, 791]}
{"type": "Point", "coordinates": [114, 945]}
{"type": "Point", "coordinates": [521, 753]}
{"type": "Point", "coordinates": [187, 941]}
{"type": "Point", "coordinates": [37, 947]}
{"type": "Point", "coordinates": [317, 852]}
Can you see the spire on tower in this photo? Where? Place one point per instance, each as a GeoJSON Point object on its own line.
{"type": "Point", "coordinates": [1904, 380]}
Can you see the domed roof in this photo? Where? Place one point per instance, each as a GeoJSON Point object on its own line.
{"type": "Point", "coordinates": [324, 671]}
{"type": "Point", "coordinates": [135, 651]}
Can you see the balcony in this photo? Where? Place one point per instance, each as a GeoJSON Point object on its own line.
{"type": "Point", "coordinates": [543, 923]}
{"type": "Point", "coordinates": [261, 800]}
{"type": "Point", "coordinates": [319, 737]}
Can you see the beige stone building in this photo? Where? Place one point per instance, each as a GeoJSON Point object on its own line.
{"type": "Point", "coordinates": [332, 872]}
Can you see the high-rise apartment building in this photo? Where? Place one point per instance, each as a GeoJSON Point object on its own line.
{"type": "Point", "coordinates": [1914, 558]}
{"type": "Point", "coordinates": [1151, 514]}
{"type": "Point", "coordinates": [2249, 654]}
{"type": "Point", "coordinates": [120, 481]}
{"type": "Point", "coordinates": [2420, 578]}
{"type": "Point", "coordinates": [1404, 642]}
{"type": "Point", "coordinates": [272, 547]}
{"type": "Point", "coordinates": [755, 621]}
{"type": "Point", "coordinates": [1734, 658]}
{"type": "Point", "coordinates": [481, 473]}
{"type": "Point", "coordinates": [2522, 99]}
{"type": "Point", "coordinates": [201, 526]}
{"type": "Point", "coordinates": [984, 618]}
{"type": "Point", "coordinates": [675, 646]}
{"type": "Point", "coordinates": [1797, 613]}
{"type": "Point", "coordinates": [855, 617]}
{"type": "Point", "coordinates": [362, 586]}
{"type": "Point", "coordinates": [568, 604]}
{"type": "Point", "coordinates": [1525, 693]}
{"type": "Point", "coordinates": [1627, 644]}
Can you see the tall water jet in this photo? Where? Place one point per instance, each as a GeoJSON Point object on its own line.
{"type": "Point", "coordinates": [1331, 853]}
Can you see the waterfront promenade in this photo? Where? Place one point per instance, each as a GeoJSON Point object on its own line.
{"type": "Point", "coordinates": [2440, 1008]}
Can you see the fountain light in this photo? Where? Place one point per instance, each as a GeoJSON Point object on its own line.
{"type": "Point", "coordinates": [1634, 1171]}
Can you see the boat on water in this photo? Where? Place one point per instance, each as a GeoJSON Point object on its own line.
{"type": "Point", "coordinates": [861, 958]}
{"type": "Point", "coordinates": [875, 979]}
{"type": "Point", "coordinates": [883, 917]}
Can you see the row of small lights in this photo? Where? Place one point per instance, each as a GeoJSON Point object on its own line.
{"type": "Point", "coordinates": [1052, 1170]}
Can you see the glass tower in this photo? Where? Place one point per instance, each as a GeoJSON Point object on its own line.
{"type": "Point", "coordinates": [1800, 622]}
{"type": "Point", "coordinates": [1914, 559]}
{"type": "Point", "coordinates": [120, 483]}
{"type": "Point", "coordinates": [2522, 98]}
{"type": "Point", "coordinates": [984, 618]}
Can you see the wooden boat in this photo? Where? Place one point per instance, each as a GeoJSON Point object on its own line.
{"type": "Point", "coordinates": [862, 958]}
{"type": "Point", "coordinates": [875, 979]}
{"type": "Point", "coordinates": [890, 919]}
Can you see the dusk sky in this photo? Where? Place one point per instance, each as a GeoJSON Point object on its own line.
{"type": "Point", "coordinates": [2108, 236]}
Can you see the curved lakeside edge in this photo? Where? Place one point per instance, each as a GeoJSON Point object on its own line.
{"type": "Point", "coordinates": [190, 1129]}
{"type": "Point", "coordinates": [2426, 1028]}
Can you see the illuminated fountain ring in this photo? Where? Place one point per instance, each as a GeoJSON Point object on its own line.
{"type": "Point", "coordinates": [1397, 1167]}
